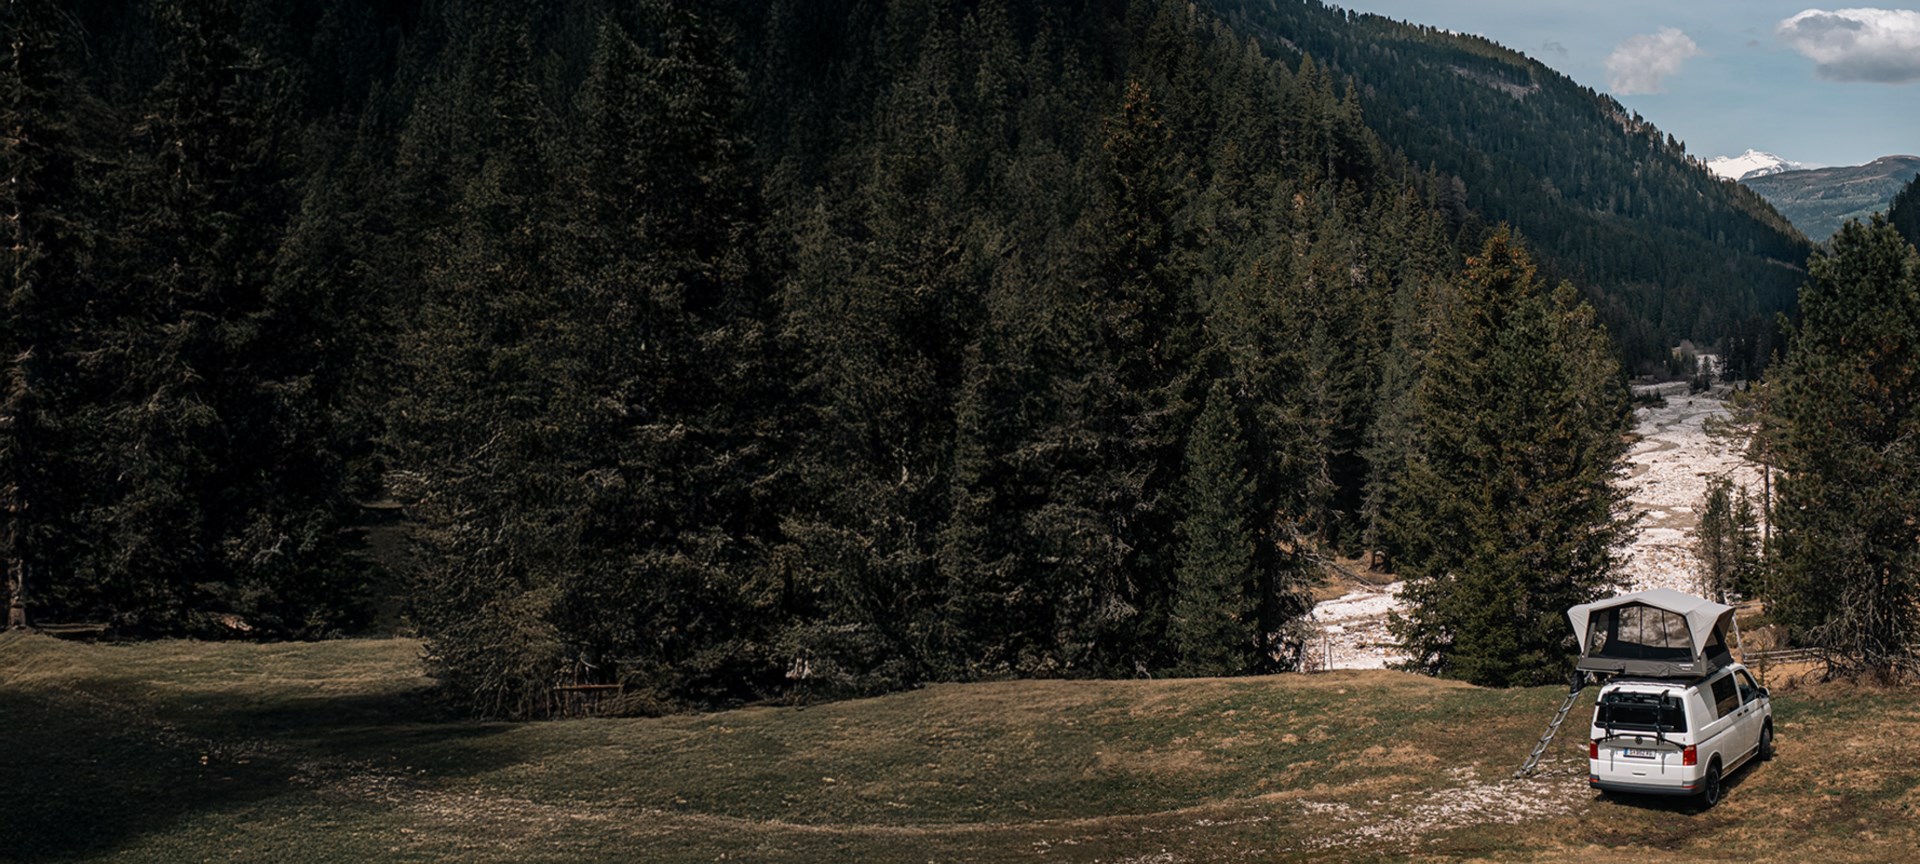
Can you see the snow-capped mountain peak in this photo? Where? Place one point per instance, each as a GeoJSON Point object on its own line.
{"type": "Point", "coordinates": [1752, 163]}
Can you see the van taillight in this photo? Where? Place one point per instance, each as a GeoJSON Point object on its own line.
{"type": "Point", "coordinates": [1690, 756]}
{"type": "Point", "coordinates": [1593, 749]}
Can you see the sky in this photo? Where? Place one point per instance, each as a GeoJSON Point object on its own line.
{"type": "Point", "coordinates": [1827, 85]}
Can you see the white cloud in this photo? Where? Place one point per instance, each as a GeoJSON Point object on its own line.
{"type": "Point", "coordinates": [1857, 44]}
{"type": "Point", "coordinates": [1642, 63]}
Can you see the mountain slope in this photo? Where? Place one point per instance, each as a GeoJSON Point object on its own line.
{"type": "Point", "coordinates": [1820, 200]}
{"type": "Point", "coordinates": [1668, 250]}
{"type": "Point", "coordinates": [1752, 163]}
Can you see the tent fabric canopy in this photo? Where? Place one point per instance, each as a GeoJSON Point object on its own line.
{"type": "Point", "coordinates": [1702, 615]}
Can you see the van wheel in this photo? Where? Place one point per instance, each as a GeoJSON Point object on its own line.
{"type": "Point", "coordinates": [1710, 787]}
{"type": "Point", "coordinates": [1766, 743]}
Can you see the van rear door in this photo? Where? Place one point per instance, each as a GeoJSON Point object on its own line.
{"type": "Point", "coordinates": [1636, 734]}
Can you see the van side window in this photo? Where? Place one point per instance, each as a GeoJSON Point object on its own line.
{"type": "Point", "coordinates": [1749, 691]}
{"type": "Point", "coordinates": [1726, 697]}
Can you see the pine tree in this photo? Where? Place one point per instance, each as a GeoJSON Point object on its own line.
{"type": "Point", "coordinates": [1903, 213]}
{"type": "Point", "coordinates": [1214, 625]}
{"type": "Point", "coordinates": [588, 433]}
{"type": "Point", "coordinates": [1410, 324]}
{"type": "Point", "coordinates": [485, 461]}
{"type": "Point", "coordinates": [1719, 540]}
{"type": "Point", "coordinates": [1509, 513]}
{"type": "Point", "coordinates": [879, 308]}
{"type": "Point", "coordinates": [670, 389]}
{"type": "Point", "coordinates": [40, 200]}
{"type": "Point", "coordinates": [207, 484]}
{"type": "Point", "coordinates": [1711, 538]}
{"type": "Point", "coordinates": [1110, 515]}
{"type": "Point", "coordinates": [1747, 424]}
{"type": "Point", "coordinates": [1747, 575]}
{"type": "Point", "coordinates": [998, 596]}
{"type": "Point", "coordinates": [1846, 415]}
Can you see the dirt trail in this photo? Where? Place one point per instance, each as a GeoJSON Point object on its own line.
{"type": "Point", "coordinates": [1667, 472]}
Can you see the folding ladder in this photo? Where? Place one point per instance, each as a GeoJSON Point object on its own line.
{"type": "Point", "coordinates": [1574, 686]}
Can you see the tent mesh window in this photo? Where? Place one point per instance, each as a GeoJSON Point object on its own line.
{"type": "Point", "coordinates": [1639, 632]}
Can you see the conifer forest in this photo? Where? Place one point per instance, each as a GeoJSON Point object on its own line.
{"type": "Point", "coordinates": [761, 350]}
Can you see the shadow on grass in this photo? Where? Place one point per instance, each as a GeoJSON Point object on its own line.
{"type": "Point", "coordinates": [83, 776]}
{"type": "Point", "coordinates": [1690, 804]}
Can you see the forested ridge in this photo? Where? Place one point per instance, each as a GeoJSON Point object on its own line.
{"type": "Point", "coordinates": [1665, 250]}
{"type": "Point", "coordinates": [1820, 200]}
{"type": "Point", "coordinates": [769, 349]}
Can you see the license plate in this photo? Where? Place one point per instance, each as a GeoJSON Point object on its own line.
{"type": "Point", "coordinates": [1631, 753]}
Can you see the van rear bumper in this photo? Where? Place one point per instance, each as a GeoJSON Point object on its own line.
{"type": "Point", "coordinates": [1642, 788]}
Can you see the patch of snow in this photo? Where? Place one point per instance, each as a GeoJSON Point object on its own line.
{"type": "Point", "coordinates": [1354, 631]}
{"type": "Point", "coordinates": [1752, 163]}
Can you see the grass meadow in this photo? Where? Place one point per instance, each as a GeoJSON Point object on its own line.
{"type": "Point", "coordinates": [340, 751]}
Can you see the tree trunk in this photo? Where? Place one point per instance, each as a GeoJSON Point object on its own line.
{"type": "Point", "coordinates": [1766, 509]}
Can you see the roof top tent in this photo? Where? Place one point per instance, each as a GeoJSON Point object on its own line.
{"type": "Point", "coordinates": [1647, 634]}
{"type": "Point", "coordinates": [1660, 633]}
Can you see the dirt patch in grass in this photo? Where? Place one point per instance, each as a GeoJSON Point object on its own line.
{"type": "Point", "coordinates": [1400, 755]}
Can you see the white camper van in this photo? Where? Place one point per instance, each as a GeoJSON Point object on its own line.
{"type": "Point", "coordinates": [1678, 714]}
{"type": "Point", "coordinates": [1665, 737]}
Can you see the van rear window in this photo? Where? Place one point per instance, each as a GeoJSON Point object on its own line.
{"type": "Point", "coordinates": [1641, 712]}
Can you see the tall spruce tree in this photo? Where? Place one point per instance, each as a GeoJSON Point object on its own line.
{"type": "Point", "coordinates": [1749, 554]}
{"type": "Point", "coordinates": [1726, 542]}
{"type": "Point", "coordinates": [1215, 622]}
{"type": "Point", "coordinates": [485, 461]}
{"type": "Point", "coordinates": [1509, 512]}
{"type": "Point", "coordinates": [1410, 323]}
{"type": "Point", "coordinates": [1903, 213]}
{"type": "Point", "coordinates": [586, 431]}
{"type": "Point", "coordinates": [670, 389]}
{"type": "Point", "coordinates": [1845, 412]}
{"type": "Point", "coordinates": [1109, 518]}
{"type": "Point", "coordinates": [998, 607]}
{"type": "Point", "coordinates": [45, 215]}
{"type": "Point", "coordinates": [878, 310]}
{"type": "Point", "coordinates": [210, 503]}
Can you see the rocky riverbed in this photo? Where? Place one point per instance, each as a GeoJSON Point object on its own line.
{"type": "Point", "coordinates": [1668, 469]}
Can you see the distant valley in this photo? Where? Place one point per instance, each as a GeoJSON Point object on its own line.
{"type": "Point", "coordinates": [1819, 200]}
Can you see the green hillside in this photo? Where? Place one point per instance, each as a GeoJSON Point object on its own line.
{"type": "Point", "coordinates": [333, 751]}
{"type": "Point", "coordinates": [1667, 250]}
{"type": "Point", "coordinates": [1820, 200]}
